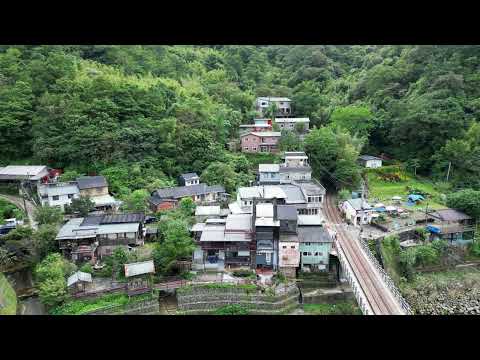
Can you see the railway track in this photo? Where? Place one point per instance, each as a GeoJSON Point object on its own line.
{"type": "Point", "coordinates": [377, 293]}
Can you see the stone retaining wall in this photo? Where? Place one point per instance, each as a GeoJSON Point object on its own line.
{"type": "Point", "coordinates": [204, 300]}
{"type": "Point", "coordinates": [134, 308]}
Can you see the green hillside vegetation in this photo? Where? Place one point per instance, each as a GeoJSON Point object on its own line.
{"type": "Point", "coordinates": [141, 115]}
{"type": "Point", "coordinates": [8, 298]}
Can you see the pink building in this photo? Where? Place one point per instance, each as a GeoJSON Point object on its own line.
{"type": "Point", "coordinates": [265, 141]}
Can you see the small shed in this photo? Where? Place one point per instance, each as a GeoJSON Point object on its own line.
{"type": "Point", "coordinates": [139, 276]}
{"type": "Point", "coordinates": [415, 198]}
{"type": "Point", "coordinates": [79, 282]}
{"type": "Point", "coordinates": [369, 161]}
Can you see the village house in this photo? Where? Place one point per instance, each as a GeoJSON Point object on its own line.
{"type": "Point", "coordinates": [222, 243]}
{"type": "Point", "coordinates": [259, 125]}
{"type": "Point", "coordinates": [92, 237]}
{"type": "Point", "coordinates": [288, 248]}
{"type": "Point", "coordinates": [96, 188]}
{"type": "Point", "coordinates": [369, 161]}
{"type": "Point", "coordinates": [290, 124]}
{"type": "Point", "coordinates": [454, 226]}
{"type": "Point", "coordinates": [357, 211]}
{"type": "Point", "coordinates": [265, 141]}
{"type": "Point", "coordinates": [283, 105]}
{"type": "Point", "coordinates": [268, 174]}
{"type": "Point", "coordinates": [19, 173]}
{"type": "Point", "coordinates": [188, 179]}
{"type": "Point", "coordinates": [315, 244]}
{"type": "Point", "coordinates": [203, 213]}
{"type": "Point", "coordinates": [57, 194]}
{"type": "Point", "coordinates": [266, 235]}
{"type": "Point", "coordinates": [168, 198]}
{"type": "Point", "coordinates": [295, 166]}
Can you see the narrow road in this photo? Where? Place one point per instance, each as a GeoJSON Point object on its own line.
{"type": "Point", "coordinates": [379, 296]}
{"type": "Point", "coordinates": [18, 201]}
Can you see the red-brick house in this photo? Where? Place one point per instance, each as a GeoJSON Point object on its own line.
{"type": "Point", "coordinates": [265, 141]}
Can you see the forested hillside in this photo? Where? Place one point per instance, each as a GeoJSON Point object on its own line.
{"type": "Point", "coordinates": [142, 114]}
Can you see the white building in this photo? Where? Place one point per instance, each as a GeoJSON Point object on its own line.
{"type": "Point", "coordinates": [282, 103]}
{"type": "Point", "coordinates": [295, 167]}
{"type": "Point", "coordinates": [23, 172]}
{"type": "Point", "coordinates": [370, 161]}
{"type": "Point", "coordinates": [58, 194]}
{"type": "Point", "coordinates": [290, 123]}
{"type": "Point", "coordinates": [357, 211]}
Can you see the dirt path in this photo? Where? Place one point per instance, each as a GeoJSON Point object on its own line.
{"type": "Point", "coordinates": [18, 201]}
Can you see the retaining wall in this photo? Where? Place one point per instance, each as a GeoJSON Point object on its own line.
{"type": "Point", "coordinates": [204, 300]}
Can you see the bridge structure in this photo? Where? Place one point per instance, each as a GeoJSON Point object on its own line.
{"type": "Point", "coordinates": [373, 288]}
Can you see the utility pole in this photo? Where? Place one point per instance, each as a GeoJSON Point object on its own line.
{"type": "Point", "coordinates": [448, 171]}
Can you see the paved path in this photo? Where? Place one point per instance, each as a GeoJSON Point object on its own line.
{"type": "Point", "coordinates": [17, 200]}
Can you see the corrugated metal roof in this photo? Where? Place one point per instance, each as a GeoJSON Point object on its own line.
{"type": "Point", "coordinates": [88, 182]}
{"type": "Point", "coordinates": [103, 200]}
{"type": "Point", "coordinates": [264, 210]}
{"type": "Point", "coordinates": [207, 210]}
{"type": "Point", "coordinates": [368, 157]}
{"type": "Point", "coordinates": [294, 194]}
{"type": "Point", "coordinates": [450, 215]}
{"type": "Point", "coordinates": [241, 222]}
{"type": "Point", "coordinates": [266, 221]}
{"type": "Point", "coordinates": [198, 227]}
{"type": "Point", "coordinates": [287, 212]}
{"type": "Point", "coordinates": [139, 268]}
{"type": "Point", "coordinates": [79, 276]}
{"type": "Point", "coordinates": [309, 220]}
{"type": "Point", "coordinates": [294, 120]}
{"type": "Point", "coordinates": [184, 191]}
{"type": "Point", "coordinates": [268, 168]}
{"type": "Point", "coordinates": [33, 172]}
{"type": "Point", "coordinates": [213, 233]}
{"type": "Point", "coordinates": [189, 176]}
{"type": "Point", "coordinates": [267, 133]}
{"type": "Point", "coordinates": [313, 234]}
{"type": "Point", "coordinates": [123, 218]}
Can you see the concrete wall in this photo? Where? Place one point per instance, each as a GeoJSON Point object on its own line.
{"type": "Point", "coordinates": [319, 248]}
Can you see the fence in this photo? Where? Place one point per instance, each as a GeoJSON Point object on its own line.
{"type": "Point", "coordinates": [386, 278]}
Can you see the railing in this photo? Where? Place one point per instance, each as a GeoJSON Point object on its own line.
{"type": "Point", "coordinates": [386, 278]}
{"type": "Point", "coordinates": [100, 292]}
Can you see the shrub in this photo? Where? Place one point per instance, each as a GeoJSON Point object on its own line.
{"type": "Point", "coordinates": [242, 273]}
{"type": "Point", "coordinates": [475, 248]}
{"type": "Point", "coordinates": [86, 268]}
{"type": "Point", "coordinates": [232, 309]}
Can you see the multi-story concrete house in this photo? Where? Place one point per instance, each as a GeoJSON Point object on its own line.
{"type": "Point", "coordinates": [283, 105]}
{"type": "Point", "coordinates": [290, 124]}
{"type": "Point", "coordinates": [259, 125]}
{"type": "Point", "coordinates": [315, 245]}
{"type": "Point", "coordinates": [288, 247]}
{"type": "Point", "coordinates": [58, 194]}
{"type": "Point", "coordinates": [168, 198]}
{"type": "Point", "coordinates": [265, 141]}
{"type": "Point", "coordinates": [295, 167]}
{"type": "Point", "coordinates": [91, 238]}
{"type": "Point", "coordinates": [268, 174]}
{"type": "Point", "coordinates": [266, 235]}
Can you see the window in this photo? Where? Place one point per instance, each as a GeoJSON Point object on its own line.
{"type": "Point", "coordinates": [284, 246]}
{"type": "Point", "coordinates": [307, 244]}
{"type": "Point", "coordinates": [56, 197]}
{"type": "Point", "coordinates": [255, 149]}
{"type": "Point", "coordinates": [70, 196]}
{"type": "Point", "coordinates": [245, 148]}
{"type": "Point", "coordinates": [309, 253]}
{"type": "Point", "coordinates": [292, 247]}
{"type": "Point", "coordinates": [305, 253]}
{"type": "Point", "coordinates": [246, 139]}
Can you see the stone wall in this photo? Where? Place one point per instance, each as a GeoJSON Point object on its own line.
{"type": "Point", "coordinates": [149, 306]}
{"type": "Point", "coordinates": [204, 300]}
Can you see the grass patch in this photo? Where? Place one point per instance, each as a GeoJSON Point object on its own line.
{"type": "Point", "coordinates": [249, 288]}
{"type": "Point", "coordinates": [232, 309]}
{"type": "Point", "coordinates": [383, 190]}
{"type": "Point", "coordinates": [8, 298]}
{"type": "Point", "coordinates": [341, 308]}
{"type": "Point", "coordinates": [79, 307]}
{"type": "Point", "coordinates": [390, 260]}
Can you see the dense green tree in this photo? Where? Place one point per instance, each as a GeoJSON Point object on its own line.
{"type": "Point", "coordinates": [136, 201]}
{"type": "Point", "coordinates": [356, 119]}
{"type": "Point", "coordinates": [81, 205]}
{"type": "Point", "coordinates": [45, 240]}
{"type": "Point", "coordinates": [48, 215]}
{"type": "Point", "coordinates": [466, 200]}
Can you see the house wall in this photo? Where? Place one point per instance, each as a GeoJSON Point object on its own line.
{"type": "Point", "coordinates": [94, 191]}
{"type": "Point", "coordinates": [61, 202]}
{"type": "Point", "coordinates": [350, 212]}
{"type": "Point", "coordinates": [289, 255]}
{"type": "Point", "coordinates": [251, 143]}
{"type": "Point", "coordinates": [291, 125]}
{"type": "Point", "coordinates": [269, 177]}
{"type": "Point", "coordinates": [295, 175]}
{"type": "Point", "coordinates": [373, 163]}
{"type": "Point", "coordinates": [321, 249]}
{"type": "Point", "coordinates": [192, 182]}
